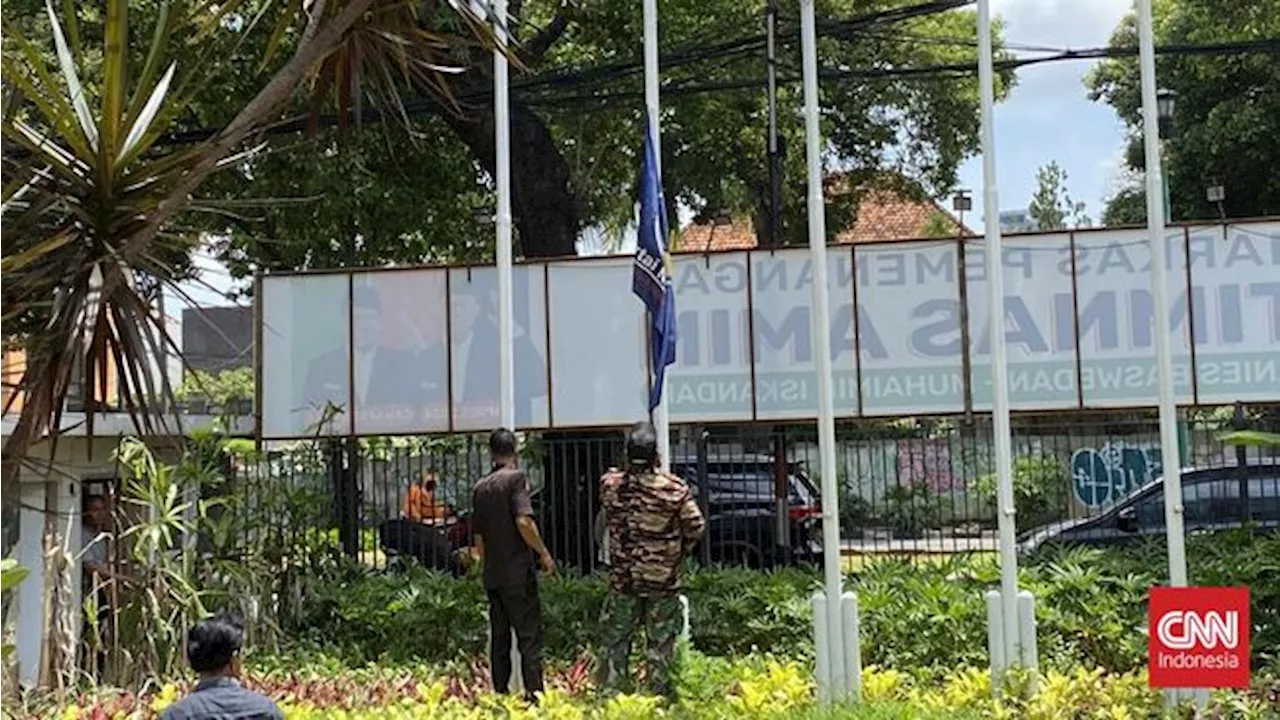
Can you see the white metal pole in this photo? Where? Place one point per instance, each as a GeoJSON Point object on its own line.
{"type": "Point", "coordinates": [502, 178]}
{"type": "Point", "coordinates": [820, 326]}
{"type": "Point", "coordinates": [502, 141]}
{"type": "Point", "coordinates": [1171, 458]}
{"type": "Point", "coordinates": [1006, 519]}
{"type": "Point", "coordinates": [661, 418]}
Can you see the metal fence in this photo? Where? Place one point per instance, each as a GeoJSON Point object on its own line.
{"type": "Point", "coordinates": [915, 487]}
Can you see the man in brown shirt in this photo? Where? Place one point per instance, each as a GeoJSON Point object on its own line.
{"type": "Point", "coordinates": [507, 543]}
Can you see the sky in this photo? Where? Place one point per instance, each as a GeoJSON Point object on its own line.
{"type": "Point", "coordinates": [1048, 115]}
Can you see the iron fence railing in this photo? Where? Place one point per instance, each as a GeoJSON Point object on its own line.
{"type": "Point", "coordinates": [911, 487]}
{"type": "Point", "coordinates": [289, 513]}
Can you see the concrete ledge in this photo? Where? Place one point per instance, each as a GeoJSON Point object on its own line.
{"type": "Point", "coordinates": [118, 423]}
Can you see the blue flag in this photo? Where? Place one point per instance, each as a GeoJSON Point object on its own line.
{"type": "Point", "coordinates": [649, 278]}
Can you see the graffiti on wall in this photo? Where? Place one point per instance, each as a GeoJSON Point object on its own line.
{"type": "Point", "coordinates": [1104, 475]}
{"type": "Point", "coordinates": [926, 462]}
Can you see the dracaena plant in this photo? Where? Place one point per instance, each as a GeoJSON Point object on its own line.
{"type": "Point", "coordinates": [95, 187]}
{"type": "Point", "coordinates": [11, 575]}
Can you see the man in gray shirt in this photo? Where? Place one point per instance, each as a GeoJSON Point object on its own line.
{"type": "Point", "coordinates": [213, 647]}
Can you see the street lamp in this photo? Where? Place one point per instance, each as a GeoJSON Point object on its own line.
{"type": "Point", "coordinates": [1216, 194]}
{"type": "Point", "coordinates": [1166, 100]}
{"type": "Point", "coordinates": [962, 203]}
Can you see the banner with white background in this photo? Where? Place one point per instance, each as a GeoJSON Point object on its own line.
{"type": "Point", "coordinates": [1078, 324]}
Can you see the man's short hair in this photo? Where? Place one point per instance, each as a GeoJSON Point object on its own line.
{"type": "Point", "coordinates": [502, 443]}
{"type": "Point", "coordinates": [92, 498]}
{"type": "Point", "coordinates": [213, 642]}
{"type": "Point", "coordinates": [642, 445]}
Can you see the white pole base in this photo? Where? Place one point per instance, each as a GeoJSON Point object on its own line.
{"type": "Point", "coordinates": [516, 686]}
{"type": "Point", "coordinates": [849, 684]}
{"type": "Point", "coordinates": [1027, 643]}
{"type": "Point", "coordinates": [852, 647]}
{"type": "Point", "coordinates": [1198, 697]}
{"type": "Point", "coordinates": [995, 639]}
{"type": "Point", "coordinates": [821, 649]}
{"type": "Point", "coordinates": [684, 617]}
{"type": "Point", "coordinates": [1028, 654]}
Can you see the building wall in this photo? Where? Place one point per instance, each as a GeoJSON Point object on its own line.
{"type": "Point", "coordinates": [14, 364]}
{"type": "Point", "coordinates": [52, 501]}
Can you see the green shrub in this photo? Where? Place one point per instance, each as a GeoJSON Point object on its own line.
{"type": "Point", "coordinates": [929, 618]}
{"type": "Point", "coordinates": [415, 615]}
{"type": "Point", "coordinates": [424, 616]}
{"type": "Point", "coordinates": [1041, 489]}
{"type": "Point", "coordinates": [11, 576]}
{"type": "Point", "coordinates": [734, 611]}
{"type": "Point", "coordinates": [911, 509]}
{"type": "Point", "coordinates": [757, 686]}
{"type": "Point", "coordinates": [856, 514]}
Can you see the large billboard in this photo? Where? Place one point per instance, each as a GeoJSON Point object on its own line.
{"type": "Point", "coordinates": [415, 350]}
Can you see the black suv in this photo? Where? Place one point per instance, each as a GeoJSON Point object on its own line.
{"type": "Point", "coordinates": [742, 508]}
{"type": "Point", "coordinates": [1212, 499]}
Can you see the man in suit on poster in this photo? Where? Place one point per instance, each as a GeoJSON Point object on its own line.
{"type": "Point", "coordinates": [475, 357]}
{"type": "Point", "coordinates": [390, 384]}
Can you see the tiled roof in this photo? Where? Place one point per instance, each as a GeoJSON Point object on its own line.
{"type": "Point", "coordinates": [882, 215]}
{"type": "Point", "coordinates": [740, 234]}
{"type": "Point", "coordinates": [886, 215]}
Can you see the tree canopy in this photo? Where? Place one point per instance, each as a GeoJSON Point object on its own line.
{"type": "Point", "coordinates": [577, 119]}
{"type": "Point", "coordinates": [1227, 111]}
{"type": "Point", "coordinates": [98, 193]}
{"type": "Point", "coordinates": [1052, 206]}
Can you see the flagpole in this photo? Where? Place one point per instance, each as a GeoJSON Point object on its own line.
{"type": "Point", "coordinates": [502, 178]}
{"type": "Point", "coordinates": [821, 325]}
{"type": "Point", "coordinates": [502, 141]}
{"type": "Point", "coordinates": [1006, 519]}
{"type": "Point", "coordinates": [661, 419]}
{"type": "Point", "coordinates": [1160, 292]}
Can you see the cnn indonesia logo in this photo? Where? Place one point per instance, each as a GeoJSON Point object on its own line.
{"type": "Point", "coordinates": [1199, 637]}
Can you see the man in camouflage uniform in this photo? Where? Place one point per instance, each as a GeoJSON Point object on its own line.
{"type": "Point", "coordinates": [652, 522]}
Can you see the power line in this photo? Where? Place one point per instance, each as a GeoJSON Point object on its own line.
{"type": "Point", "coordinates": [554, 89]}
{"type": "Point", "coordinates": [947, 71]}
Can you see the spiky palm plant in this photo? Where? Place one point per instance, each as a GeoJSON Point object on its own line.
{"type": "Point", "coordinates": [92, 191]}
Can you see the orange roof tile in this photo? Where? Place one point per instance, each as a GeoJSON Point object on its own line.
{"type": "Point", "coordinates": [740, 234]}
{"type": "Point", "coordinates": [886, 215]}
{"type": "Point", "coordinates": [882, 215]}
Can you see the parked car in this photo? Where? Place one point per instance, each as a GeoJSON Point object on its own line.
{"type": "Point", "coordinates": [741, 509]}
{"type": "Point", "coordinates": [1214, 499]}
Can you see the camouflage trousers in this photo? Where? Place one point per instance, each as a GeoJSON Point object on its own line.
{"type": "Point", "coordinates": [662, 619]}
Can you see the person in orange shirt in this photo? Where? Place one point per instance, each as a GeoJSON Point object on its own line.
{"type": "Point", "coordinates": [421, 505]}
